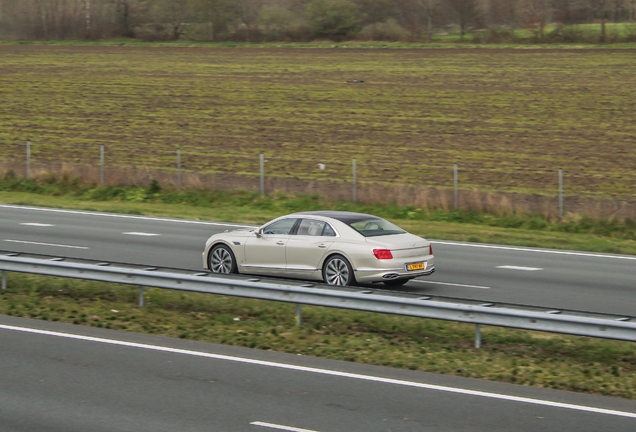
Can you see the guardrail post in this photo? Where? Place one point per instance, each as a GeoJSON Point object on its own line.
{"type": "Point", "coordinates": [179, 169]}
{"type": "Point", "coordinates": [4, 279]}
{"type": "Point", "coordinates": [141, 296]}
{"type": "Point", "coordinates": [455, 183]}
{"type": "Point", "coordinates": [355, 181]}
{"type": "Point", "coordinates": [477, 336]}
{"type": "Point", "coordinates": [262, 165]}
{"type": "Point", "coordinates": [561, 192]}
{"type": "Point", "coordinates": [101, 165]}
{"type": "Point", "coordinates": [28, 160]}
{"type": "Point", "coordinates": [299, 316]}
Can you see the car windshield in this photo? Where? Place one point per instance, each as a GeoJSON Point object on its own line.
{"type": "Point", "coordinates": [372, 227]}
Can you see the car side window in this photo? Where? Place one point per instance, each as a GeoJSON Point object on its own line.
{"type": "Point", "coordinates": [317, 228]}
{"type": "Point", "coordinates": [281, 227]}
{"type": "Point", "coordinates": [311, 227]}
{"type": "Point", "coordinates": [328, 231]}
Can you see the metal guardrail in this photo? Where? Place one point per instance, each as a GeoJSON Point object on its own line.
{"type": "Point", "coordinates": [400, 303]}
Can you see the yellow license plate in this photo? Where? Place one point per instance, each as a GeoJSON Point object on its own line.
{"type": "Point", "coordinates": [416, 266]}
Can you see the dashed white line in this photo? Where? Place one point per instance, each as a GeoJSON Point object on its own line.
{"type": "Point", "coordinates": [511, 267]}
{"type": "Point", "coordinates": [124, 216]}
{"type": "Point", "coordinates": [452, 284]}
{"type": "Point", "coordinates": [281, 427]}
{"type": "Point", "coordinates": [143, 234]}
{"type": "Point", "coordinates": [46, 244]}
{"type": "Point", "coordinates": [35, 224]}
{"type": "Point", "coordinates": [329, 372]}
{"type": "Point", "coordinates": [550, 251]}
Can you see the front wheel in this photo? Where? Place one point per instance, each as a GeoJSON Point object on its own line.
{"type": "Point", "coordinates": [221, 260]}
{"type": "Point", "coordinates": [338, 271]}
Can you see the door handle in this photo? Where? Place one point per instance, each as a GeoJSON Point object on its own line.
{"type": "Point", "coordinates": [322, 245]}
{"type": "Point", "coordinates": [282, 243]}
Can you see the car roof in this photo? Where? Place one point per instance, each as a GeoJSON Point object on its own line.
{"type": "Point", "coordinates": [342, 216]}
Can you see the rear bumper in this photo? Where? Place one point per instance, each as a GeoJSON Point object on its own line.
{"type": "Point", "coordinates": [386, 275]}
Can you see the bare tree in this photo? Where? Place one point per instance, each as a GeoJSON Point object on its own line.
{"type": "Point", "coordinates": [172, 13]}
{"type": "Point", "coordinates": [538, 15]}
{"type": "Point", "coordinates": [602, 7]}
{"type": "Point", "coordinates": [430, 9]}
{"type": "Point", "coordinates": [504, 13]}
{"type": "Point", "coordinates": [215, 14]}
{"type": "Point", "coordinates": [127, 14]}
{"type": "Point", "coordinates": [248, 13]}
{"type": "Point", "coordinates": [465, 13]}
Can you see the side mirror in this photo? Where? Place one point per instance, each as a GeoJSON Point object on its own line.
{"type": "Point", "coordinates": [259, 232]}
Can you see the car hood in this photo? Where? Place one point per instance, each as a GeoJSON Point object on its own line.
{"type": "Point", "coordinates": [398, 241]}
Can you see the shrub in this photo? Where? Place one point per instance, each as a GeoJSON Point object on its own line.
{"type": "Point", "coordinates": [278, 22]}
{"type": "Point", "coordinates": [389, 31]}
{"type": "Point", "coordinates": [333, 19]}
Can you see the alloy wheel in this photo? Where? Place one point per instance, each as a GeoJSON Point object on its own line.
{"type": "Point", "coordinates": [221, 261]}
{"type": "Point", "coordinates": [337, 272]}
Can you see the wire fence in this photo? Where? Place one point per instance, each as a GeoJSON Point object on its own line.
{"type": "Point", "coordinates": [462, 184]}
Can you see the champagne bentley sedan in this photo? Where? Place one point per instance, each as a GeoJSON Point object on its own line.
{"type": "Point", "coordinates": [339, 248]}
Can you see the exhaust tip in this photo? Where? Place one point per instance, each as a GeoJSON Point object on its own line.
{"type": "Point", "coordinates": [390, 276]}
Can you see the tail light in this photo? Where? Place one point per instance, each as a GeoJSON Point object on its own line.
{"type": "Point", "coordinates": [430, 249]}
{"type": "Point", "coordinates": [382, 254]}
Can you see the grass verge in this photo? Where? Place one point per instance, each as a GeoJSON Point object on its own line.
{"type": "Point", "coordinates": [514, 356]}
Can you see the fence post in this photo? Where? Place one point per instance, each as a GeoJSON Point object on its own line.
{"type": "Point", "coordinates": [355, 182]}
{"type": "Point", "coordinates": [455, 182]}
{"type": "Point", "coordinates": [4, 279]}
{"type": "Point", "coordinates": [262, 164]}
{"type": "Point", "coordinates": [477, 336]}
{"type": "Point", "coordinates": [299, 316]}
{"type": "Point", "coordinates": [142, 299]}
{"type": "Point", "coordinates": [101, 165]}
{"type": "Point", "coordinates": [28, 160]}
{"type": "Point", "coordinates": [560, 192]}
{"type": "Point", "coordinates": [179, 169]}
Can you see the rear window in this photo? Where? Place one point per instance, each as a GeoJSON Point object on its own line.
{"type": "Point", "coordinates": [373, 227]}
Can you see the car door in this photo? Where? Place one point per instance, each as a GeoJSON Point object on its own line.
{"type": "Point", "coordinates": [307, 247]}
{"type": "Point", "coordinates": [265, 252]}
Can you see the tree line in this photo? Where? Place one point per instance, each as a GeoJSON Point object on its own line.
{"type": "Point", "coordinates": [307, 20]}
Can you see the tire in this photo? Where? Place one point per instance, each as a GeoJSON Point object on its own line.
{"type": "Point", "coordinates": [221, 260]}
{"type": "Point", "coordinates": [338, 271]}
{"type": "Point", "coordinates": [396, 282]}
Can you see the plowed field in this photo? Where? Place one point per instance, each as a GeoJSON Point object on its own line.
{"type": "Point", "coordinates": [509, 118]}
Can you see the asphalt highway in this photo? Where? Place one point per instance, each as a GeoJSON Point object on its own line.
{"type": "Point", "coordinates": [593, 282]}
{"type": "Point", "coordinates": [62, 378]}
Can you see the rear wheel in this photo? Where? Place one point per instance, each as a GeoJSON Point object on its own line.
{"type": "Point", "coordinates": [396, 282]}
{"type": "Point", "coordinates": [338, 271]}
{"type": "Point", "coordinates": [221, 260]}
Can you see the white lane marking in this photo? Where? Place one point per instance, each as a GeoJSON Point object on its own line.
{"type": "Point", "coordinates": [144, 234]}
{"type": "Point", "coordinates": [281, 427]}
{"type": "Point", "coordinates": [36, 224]}
{"type": "Point", "coordinates": [115, 215]}
{"type": "Point", "coordinates": [509, 267]}
{"type": "Point", "coordinates": [551, 251]}
{"type": "Point", "coordinates": [328, 372]}
{"type": "Point", "coordinates": [453, 284]}
{"type": "Point", "coordinates": [45, 244]}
